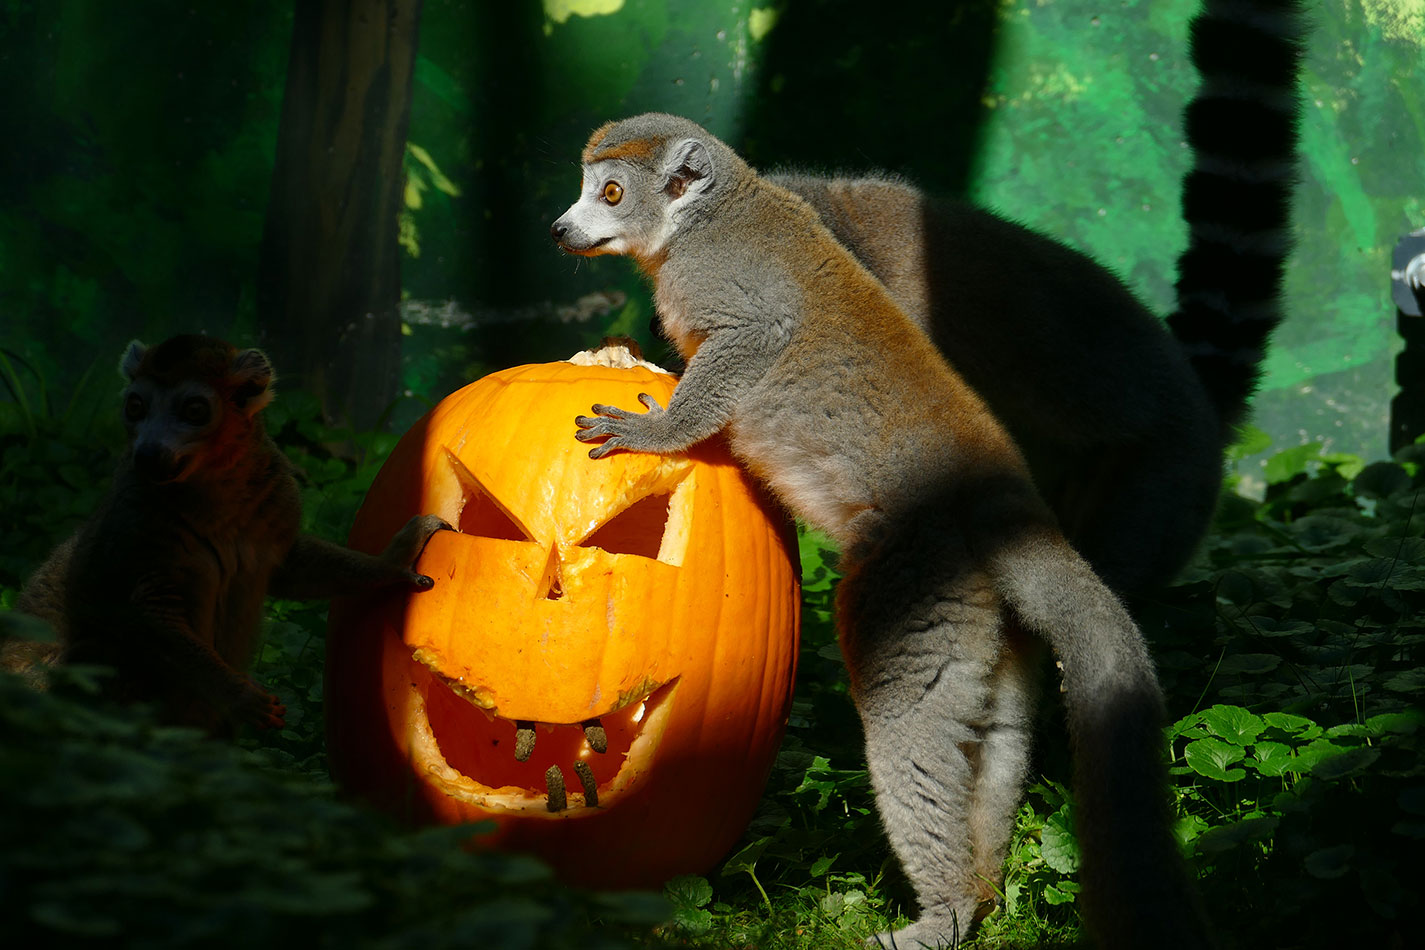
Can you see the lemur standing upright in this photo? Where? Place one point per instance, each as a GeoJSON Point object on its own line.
{"type": "Point", "coordinates": [1122, 423]}
{"type": "Point", "coordinates": [165, 582]}
{"type": "Point", "coordinates": [836, 400]}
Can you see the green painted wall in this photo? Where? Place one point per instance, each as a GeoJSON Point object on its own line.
{"type": "Point", "coordinates": [132, 186]}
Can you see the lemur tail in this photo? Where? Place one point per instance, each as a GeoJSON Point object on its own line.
{"type": "Point", "coordinates": [1137, 892]}
{"type": "Point", "coordinates": [1242, 126]}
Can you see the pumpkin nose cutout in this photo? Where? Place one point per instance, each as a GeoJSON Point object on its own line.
{"type": "Point", "coordinates": [551, 582]}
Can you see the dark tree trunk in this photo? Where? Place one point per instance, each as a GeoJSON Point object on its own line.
{"type": "Point", "coordinates": [329, 280]}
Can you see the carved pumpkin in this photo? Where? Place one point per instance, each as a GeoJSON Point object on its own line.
{"type": "Point", "coordinates": [605, 664]}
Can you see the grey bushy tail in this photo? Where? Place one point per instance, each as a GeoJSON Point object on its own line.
{"type": "Point", "coordinates": [1137, 892]}
{"type": "Point", "coordinates": [1242, 126]}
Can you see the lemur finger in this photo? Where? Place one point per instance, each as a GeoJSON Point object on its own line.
{"type": "Point", "coordinates": [599, 451]}
{"type": "Point", "coordinates": [597, 738]}
{"type": "Point", "coordinates": [650, 402]}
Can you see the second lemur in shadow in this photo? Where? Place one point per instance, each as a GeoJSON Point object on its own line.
{"type": "Point", "coordinates": [165, 581]}
{"type": "Point", "coordinates": [1123, 420]}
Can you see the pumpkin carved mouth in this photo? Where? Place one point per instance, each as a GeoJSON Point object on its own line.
{"type": "Point", "coordinates": [527, 767]}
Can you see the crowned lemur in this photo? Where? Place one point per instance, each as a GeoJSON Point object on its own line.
{"type": "Point", "coordinates": [836, 399]}
{"type": "Point", "coordinates": [166, 579]}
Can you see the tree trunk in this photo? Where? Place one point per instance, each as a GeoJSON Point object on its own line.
{"type": "Point", "coordinates": [329, 279]}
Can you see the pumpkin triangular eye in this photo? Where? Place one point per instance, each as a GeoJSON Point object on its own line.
{"type": "Point", "coordinates": [479, 514]}
{"type": "Point", "coordinates": [483, 518]}
{"type": "Point", "coordinates": [638, 529]}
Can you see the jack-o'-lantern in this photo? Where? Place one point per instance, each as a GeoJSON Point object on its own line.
{"type": "Point", "coordinates": [604, 666]}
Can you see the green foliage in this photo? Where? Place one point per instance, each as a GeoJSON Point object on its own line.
{"type": "Point", "coordinates": [55, 459]}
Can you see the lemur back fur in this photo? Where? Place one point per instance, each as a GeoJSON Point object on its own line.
{"type": "Point", "coordinates": [1123, 419]}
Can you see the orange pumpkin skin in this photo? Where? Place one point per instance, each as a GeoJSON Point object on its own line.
{"type": "Point", "coordinates": [657, 595]}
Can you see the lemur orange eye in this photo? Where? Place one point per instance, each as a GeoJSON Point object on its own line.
{"type": "Point", "coordinates": [613, 192]}
{"type": "Point", "coordinates": [195, 411]}
{"type": "Point", "coordinates": [134, 407]}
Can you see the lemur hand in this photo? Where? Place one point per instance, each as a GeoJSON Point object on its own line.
{"type": "Point", "coordinates": [625, 430]}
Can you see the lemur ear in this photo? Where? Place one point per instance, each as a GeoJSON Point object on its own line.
{"type": "Point", "coordinates": [251, 375]}
{"type": "Point", "coordinates": [133, 356]}
{"type": "Point", "coordinates": [689, 167]}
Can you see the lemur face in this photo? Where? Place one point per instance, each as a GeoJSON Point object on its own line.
{"type": "Point", "coordinates": [633, 205]}
{"type": "Point", "coordinates": [620, 211]}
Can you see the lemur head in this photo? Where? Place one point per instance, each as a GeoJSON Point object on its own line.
{"type": "Point", "coordinates": [191, 404]}
{"type": "Point", "coordinates": [643, 179]}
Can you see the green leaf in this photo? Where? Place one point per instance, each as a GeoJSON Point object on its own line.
{"type": "Point", "coordinates": [1233, 723]}
{"type": "Point", "coordinates": [1250, 664]}
{"type": "Point", "coordinates": [1330, 863]}
{"type": "Point", "coordinates": [1250, 441]}
{"type": "Point", "coordinates": [822, 864]}
{"type": "Point", "coordinates": [1288, 463]}
{"type": "Point", "coordinates": [1398, 549]}
{"type": "Point", "coordinates": [694, 920]}
{"type": "Point", "coordinates": [1227, 837]}
{"type": "Point", "coordinates": [1213, 758]}
{"type": "Point", "coordinates": [1059, 893]}
{"type": "Point", "coordinates": [688, 890]}
{"type": "Point", "coordinates": [1271, 758]}
{"type": "Point", "coordinates": [1268, 627]}
{"type": "Point", "coordinates": [1412, 800]}
{"type": "Point", "coordinates": [1349, 763]}
{"type": "Point", "coordinates": [1188, 829]}
{"type": "Point", "coordinates": [746, 857]}
{"type": "Point", "coordinates": [1058, 844]}
{"type": "Point", "coordinates": [1292, 724]}
{"type": "Point", "coordinates": [1408, 682]}
{"type": "Point", "coordinates": [1324, 532]}
{"type": "Point", "coordinates": [1381, 480]}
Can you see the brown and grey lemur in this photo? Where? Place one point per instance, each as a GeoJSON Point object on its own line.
{"type": "Point", "coordinates": [1123, 423]}
{"type": "Point", "coordinates": [842, 405]}
{"type": "Point", "coordinates": [165, 582]}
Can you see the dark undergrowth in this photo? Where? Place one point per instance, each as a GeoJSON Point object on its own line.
{"type": "Point", "coordinates": [1291, 653]}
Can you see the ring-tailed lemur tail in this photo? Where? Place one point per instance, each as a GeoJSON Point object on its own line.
{"type": "Point", "coordinates": [1122, 422]}
{"type": "Point", "coordinates": [1242, 126]}
{"type": "Point", "coordinates": [843, 407]}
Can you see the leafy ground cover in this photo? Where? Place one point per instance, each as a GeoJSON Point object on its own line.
{"type": "Point", "coordinates": [1291, 653]}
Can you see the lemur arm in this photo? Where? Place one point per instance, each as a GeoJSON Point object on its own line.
{"type": "Point", "coordinates": [315, 568]}
{"type": "Point", "coordinates": [155, 630]}
{"type": "Point", "coordinates": [727, 364]}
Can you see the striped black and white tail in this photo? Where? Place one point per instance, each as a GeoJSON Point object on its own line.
{"type": "Point", "coordinates": [1242, 126]}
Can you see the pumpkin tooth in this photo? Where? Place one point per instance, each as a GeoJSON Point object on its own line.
{"type": "Point", "coordinates": [586, 779]}
{"type": "Point", "coordinates": [524, 740]}
{"type": "Point", "coordinates": [598, 739]}
{"type": "Point", "coordinates": [554, 781]}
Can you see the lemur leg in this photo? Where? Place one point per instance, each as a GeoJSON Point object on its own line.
{"type": "Point", "coordinates": [920, 631]}
{"type": "Point", "coordinates": [1005, 746]}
